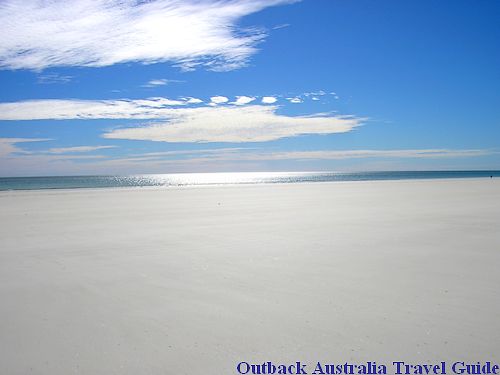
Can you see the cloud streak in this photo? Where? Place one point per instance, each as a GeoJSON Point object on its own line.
{"type": "Point", "coordinates": [238, 123]}
{"type": "Point", "coordinates": [160, 82]}
{"type": "Point", "coordinates": [368, 154]}
{"type": "Point", "coordinates": [22, 162]}
{"type": "Point", "coordinates": [149, 108]}
{"type": "Point", "coordinates": [67, 109]}
{"type": "Point", "coordinates": [252, 155]}
{"type": "Point", "coordinates": [77, 149]}
{"type": "Point", "coordinates": [188, 33]}
{"type": "Point", "coordinates": [53, 78]}
{"type": "Point", "coordinates": [8, 145]}
{"type": "Point", "coordinates": [235, 124]}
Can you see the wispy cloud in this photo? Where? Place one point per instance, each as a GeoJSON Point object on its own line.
{"type": "Point", "coordinates": [315, 93]}
{"type": "Point", "coordinates": [244, 123]}
{"type": "Point", "coordinates": [65, 150]}
{"type": "Point", "coordinates": [189, 33]}
{"type": "Point", "coordinates": [160, 82]}
{"type": "Point", "coordinates": [159, 102]}
{"type": "Point", "coordinates": [255, 123]}
{"type": "Point", "coordinates": [239, 156]}
{"type": "Point", "coordinates": [281, 26]}
{"type": "Point", "coordinates": [191, 100]}
{"type": "Point", "coordinates": [196, 151]}
{"type": "Point", "coordinates": [31, 163]}
{"type": "Point", "coordinates": [149, 108]}
{"type": "Point", "coordinates": [52, 78]}
{"type": "Point", "coordinates": [366, 154]}
{"type": "Point", "coordinates": [180, 154]}
{"type": "Point", "coordinates": [8, 145]}
{"type": "Point", "coordinates": [64, 109]}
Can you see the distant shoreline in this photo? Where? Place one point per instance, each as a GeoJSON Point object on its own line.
{"type": "Point", "coordinates": [222, 179]}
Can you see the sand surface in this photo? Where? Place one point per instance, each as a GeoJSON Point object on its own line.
{"type": "Point", "coordinates": [195, 280]}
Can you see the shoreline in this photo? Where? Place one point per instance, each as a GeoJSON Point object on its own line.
{"type": "Point", "coordinates": [222, 185]}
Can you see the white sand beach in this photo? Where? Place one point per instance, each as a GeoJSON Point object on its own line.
{"type": "Point", "coordinates": [195, 280]}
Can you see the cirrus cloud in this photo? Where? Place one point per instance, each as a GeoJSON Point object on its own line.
{"type": "Point", "coordinates": [160, 82]}
{"type": "Point", "coordinates": [68, 109]}
{"type": "Point", "coordinates": [64, 150]}
{"type": "Point", "coordinates": [188, 33]}
{"type": "Point", "coordinates": [8, 145]}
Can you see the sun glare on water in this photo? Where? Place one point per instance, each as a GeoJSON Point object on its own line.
{"type": "Point", "coordinates": [181, 179]}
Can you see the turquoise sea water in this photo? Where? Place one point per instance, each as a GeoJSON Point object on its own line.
{"type": "Point", "coordinates": [193, 179]}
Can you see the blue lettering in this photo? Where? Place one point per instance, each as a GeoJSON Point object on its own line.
{"type": "Point", "coordinates": [246, 366]}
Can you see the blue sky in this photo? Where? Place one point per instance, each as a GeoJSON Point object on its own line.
{"type": "Point", "coordinates": [119, 87]}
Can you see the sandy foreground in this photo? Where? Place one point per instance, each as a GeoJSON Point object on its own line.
{"type": "Point", "coordinates": [196, 280]}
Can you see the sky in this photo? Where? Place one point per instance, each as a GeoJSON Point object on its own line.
{"type": "Point", "coordinates": [166, 86]}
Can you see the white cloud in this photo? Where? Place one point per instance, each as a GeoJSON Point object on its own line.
{"type": "Point", "coordinates": [53, 78]}
{"type": "Point", "coordinates": [189, 33]}
{"type": "Point", "coordinates": [62, 109]}
{"type": "Point", "coordinates": [160, 82]}
{"type": "Point", "coordinates": [64, 150]}
{"type": "Point", "coordinates": [269, 99]}
{"type": "Point", "coordinates": [219, 99]}
{"type": "Point", "coordinates": [235, 124]}
{"type": "Point", "coordinates": [364, 154]}
{"type": "Point", "coordinates": [149, 108]}
{"type": "Point", "coordinates": [281, 26]}
{"type": "Point", "coordinates": [195, 151]}
{"type": "Point", "coordinates": [253, 123]}
{"type": "Point", "coordinates": [179, 154]}
{"type": "Point", "coordinates": [158, 102]}
{"type": "Point", "coordinates": [7, 145]}
{"type": "Point", "coordinates": [32, 163]}
{"type": "Point", "coordinates": [191, 100]}
{"type": "Point", "coordinates": [242, 100]}
{"type": "Point", "coordinates": [157, 82]}
{"type": "Point", "coordinates": [239, 155]}
{"type": "Point", "coordinates": [315, 93]}
{"type": "Point", "coordinates": [295, 100]}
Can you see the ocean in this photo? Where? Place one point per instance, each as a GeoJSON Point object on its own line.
{"type": "Point", "coordinates": [197, 179]}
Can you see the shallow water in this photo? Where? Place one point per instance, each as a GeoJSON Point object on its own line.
{"type": "Point", "coordinates": [193, 179]}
